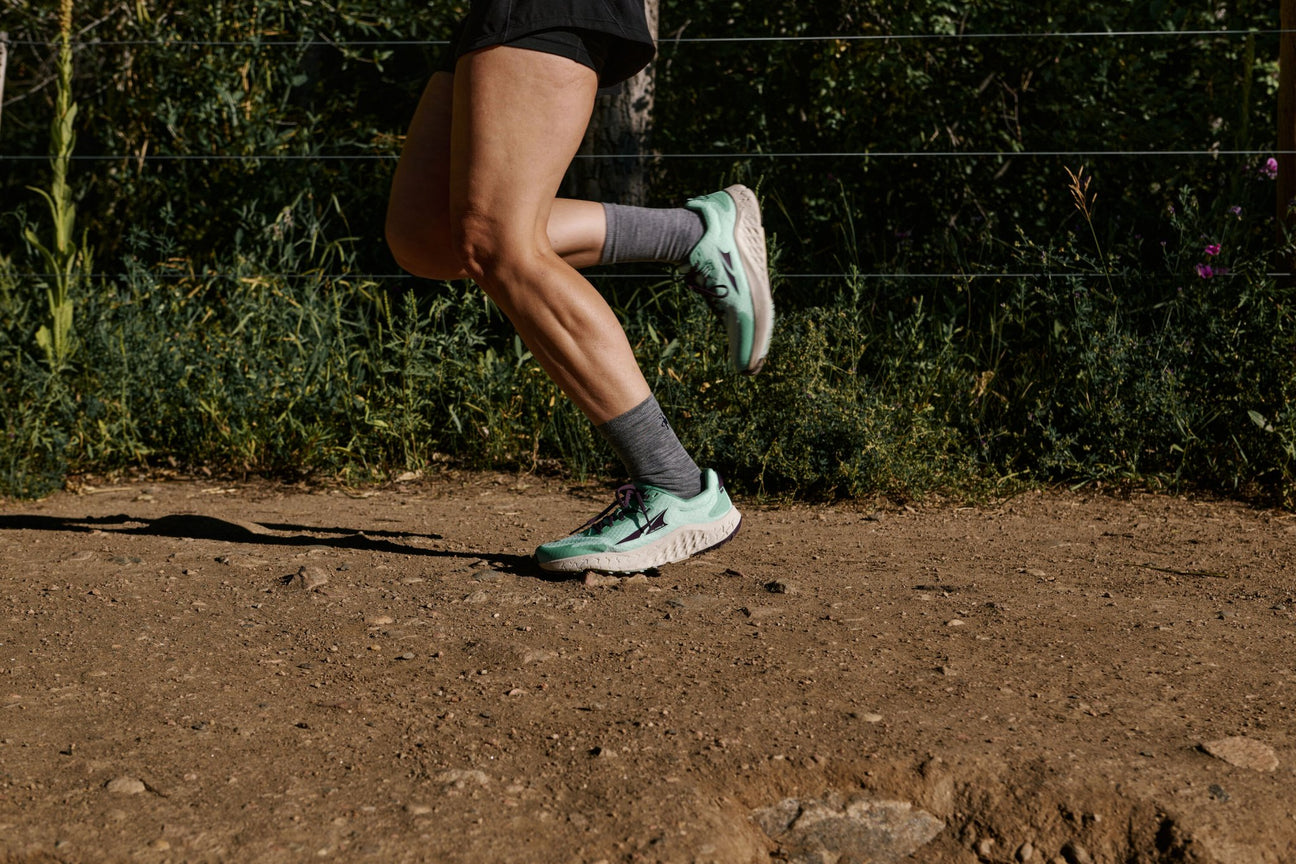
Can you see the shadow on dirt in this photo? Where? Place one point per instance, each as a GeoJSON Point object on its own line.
{"type": "Point", "coordinates": [194, 527]}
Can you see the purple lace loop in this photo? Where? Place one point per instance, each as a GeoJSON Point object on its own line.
{"type": "Point", "coordinates": [628, 500]}
{"type": "Point", "coordinates": [699, 280]}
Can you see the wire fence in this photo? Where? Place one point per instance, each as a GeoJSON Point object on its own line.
{"type": "Point", "coordinates": [669, 41]}
{"type": "Point", "coordinates": [738, 154]}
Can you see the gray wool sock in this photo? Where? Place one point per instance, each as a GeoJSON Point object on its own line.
{"type": "Point", "coordinates": [650, 234]}
{"type": "Point", "coordinates": [647, 445]}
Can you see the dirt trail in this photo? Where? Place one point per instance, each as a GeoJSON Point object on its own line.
{"type": "Point", "coordinates": [198, 672]}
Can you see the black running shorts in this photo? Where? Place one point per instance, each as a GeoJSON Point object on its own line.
{"type": "Point", "coordinates": [609, 36]}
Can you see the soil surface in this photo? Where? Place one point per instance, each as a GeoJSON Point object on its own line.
{"type": "Point", "coordinates": [193, 671]}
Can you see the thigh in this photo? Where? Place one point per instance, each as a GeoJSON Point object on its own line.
{"type": "Point", "coordinates": [519, 117]}
{"type": "Point", "coordinates": [418, 209]}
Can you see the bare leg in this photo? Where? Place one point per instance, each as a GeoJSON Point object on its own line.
{"type": "Point", "coordinates": [518, 119]}
{"type": "Point", "coordinates": [418, 211]}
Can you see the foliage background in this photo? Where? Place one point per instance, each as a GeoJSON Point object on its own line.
{"type": "Point", "coordinates": [242, 317]}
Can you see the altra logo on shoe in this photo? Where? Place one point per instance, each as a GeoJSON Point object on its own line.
{"type": "Point", "coordinates": [731, 277]}
{"type": "Point", "coordinates": [656, 523]}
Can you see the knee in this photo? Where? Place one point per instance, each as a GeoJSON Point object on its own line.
{"type": "Point", "coordinates": [420, 249]}
{"type": "Point", "coordinates": [489, 253]}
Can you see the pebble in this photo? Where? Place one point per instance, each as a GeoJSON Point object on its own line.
{"type": "Point", "coordinates": [84, 555]}
{"type": "Point", "coordinates": [537, 655]}
{"type": "Point", "coordinates": [463, 777]}
{"type": "Point", "coordinates": [638, 580]}
{"type": "Point", "coordinates": [380, 620]}
{"type": "Point", "coordinates": [780, 586]}
{"type": "Point", "coordinates": [954, 622]}
{"type": "Point", "coordinates": [599, 580]}
{"type": "Point", "coordinates": [311, 578]}
{"type": "Point", "coordinates": [476, 598]}
{"type": "Point", "coordinates": [125, 786]}
{"type": "Point", "coordinates": [486, 575]}
{"type": "Point", "coordinates": [417, 809]}
{"type": "Point", "coordinates": [871, 718]}
{"type": "Point", "coordinates": [1074, 853]}
{"type": "Point", "coordinates": [1026, 852]}
{"type": "Point", "coordinates": [1243, 752]}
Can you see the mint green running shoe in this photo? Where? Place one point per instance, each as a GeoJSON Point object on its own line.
{"type": "Point", "coordinates": [646, 527]}
{"type": "Point", "coordinates": [728, 267]}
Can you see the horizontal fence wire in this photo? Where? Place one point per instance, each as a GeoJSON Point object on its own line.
{"type": "Point", "coordinates": [816, 154]}
{"type": "Point", "coordinates": [665, 41]}
{"type": "Point", "coordinates": [889, 154]}
{"type": "Point", "coordinates": [594, 276]}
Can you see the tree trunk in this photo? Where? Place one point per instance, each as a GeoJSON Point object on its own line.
{"type": "Point", "coordinates": [617, 138]}
{"type": "Point", "coordinates": [4, 61]}
{"type": "Point", "coordinates": [1287, 120]}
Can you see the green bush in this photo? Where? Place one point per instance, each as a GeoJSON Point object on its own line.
{"type": "Point", "coordinates": [237, 326]}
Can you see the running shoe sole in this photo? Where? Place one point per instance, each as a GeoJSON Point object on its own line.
{"type": "Point", "coordinates": [749, 238]}
{"type": "Point", "coordinates": [682, 543]}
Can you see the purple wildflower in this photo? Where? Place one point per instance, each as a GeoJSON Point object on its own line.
{"type": "Point", "coordinates": [1205, 271]}
{"type": "Point", "coordinates": [1270, 169]}
{"type": "Point", "coordinates": [1213, 249]}
{"type": "Point", "coordinates": [1235, 210]}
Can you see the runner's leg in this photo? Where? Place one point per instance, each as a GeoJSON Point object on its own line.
{"type": "Point", "coordinates": [518, 119]}
{"type": "Point", "coordinates": [418, 210]}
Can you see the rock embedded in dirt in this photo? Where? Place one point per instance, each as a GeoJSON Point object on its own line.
{"type": "Point", "coordinates": [810, 831]}
{"type": "Point", "coordinates": [310, 578]}
{"type": "Point", "coordinates": [1074, 853]}
{"type": "Point", "coordinates": [599, 580]}
{"type": "Point", "coordinates": [780, 586]}
{"type": "Point", "coordinates": [125, 786]}
{"type": "Point", "coordinates": [461, 777]}
{"type": "Point", "coordinates": [1243, 752]}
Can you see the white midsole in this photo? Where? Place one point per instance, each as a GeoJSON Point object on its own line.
{"type": "Point", "coordinates": [679, 544]}
{"type": "Point", "coordinates": [749, 235]}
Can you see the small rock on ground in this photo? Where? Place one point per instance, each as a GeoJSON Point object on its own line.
{"type": "Point", "coordinates": [1244, 753]}
{"type": "Point", "coordinates": [310, 578]}
{"type": "Point", "coordinates": [863, 830]}
{"type": "Point", "coordinates": [125, 786]}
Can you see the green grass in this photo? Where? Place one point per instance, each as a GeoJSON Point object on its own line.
{"type": "Point", "coordinates": [1125, 367]}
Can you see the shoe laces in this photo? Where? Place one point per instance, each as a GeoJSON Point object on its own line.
{"type": "Point", "coordinates": [701, 280]}
{"type": "Point", "coordinates": [629, 499]}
